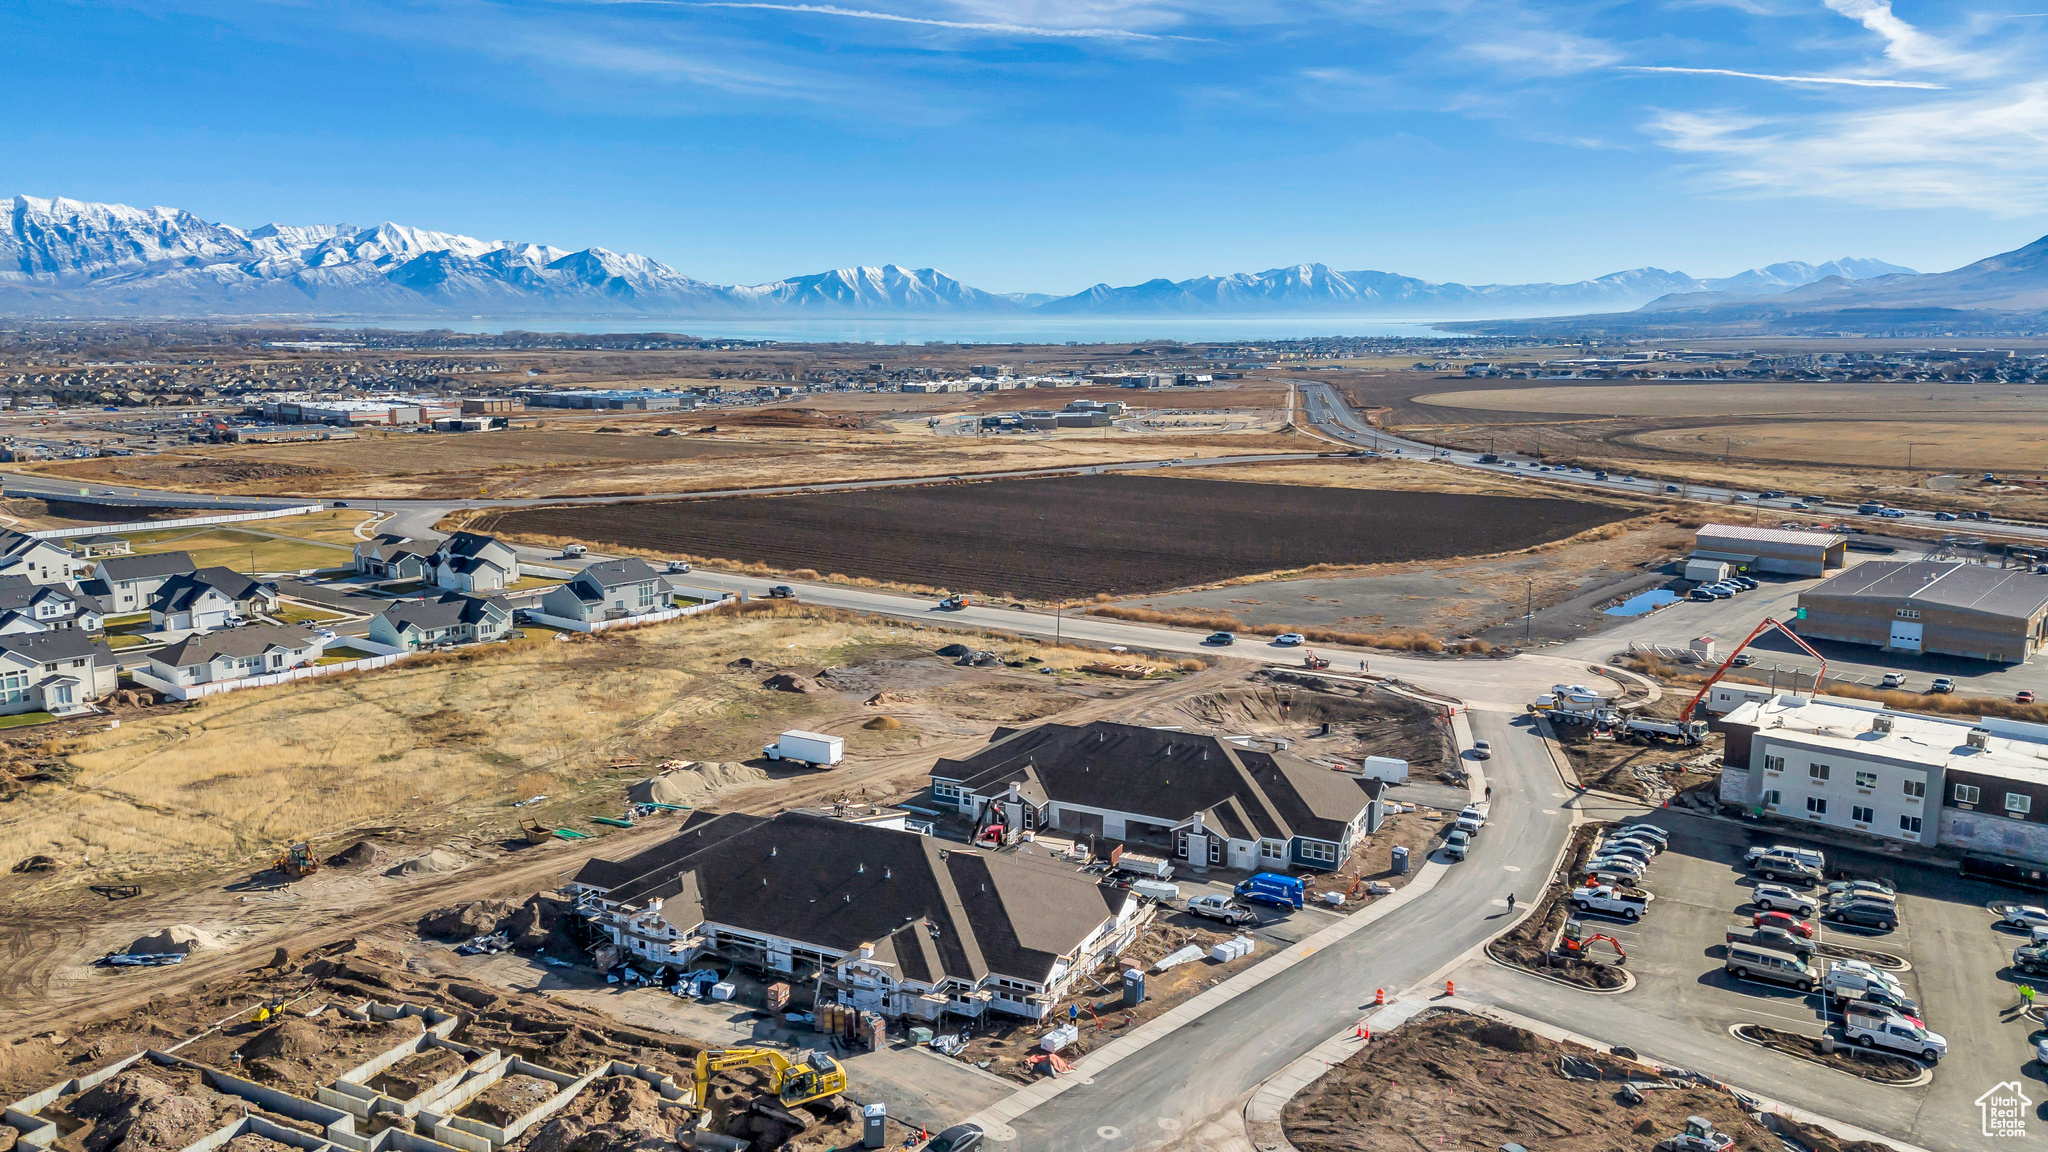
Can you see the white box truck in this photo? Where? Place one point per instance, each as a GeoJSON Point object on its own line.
{"type": "Point", "coordinates": [813, 748]}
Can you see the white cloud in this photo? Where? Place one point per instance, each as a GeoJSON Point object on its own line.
{"type": "Point", "coordinates": [1904, 44]}
{"type": "Point", "coordinates": [956, 25]}
{"type": "Point", "coordinates": [1987, 152]}
{"type": "Point", "coordinates": [1848, 81]}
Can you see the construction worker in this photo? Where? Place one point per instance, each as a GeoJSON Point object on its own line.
{"type": "Point", "coordinates": [1511, 901]}
{"type": "Point", "coordinates": [2027, 995]}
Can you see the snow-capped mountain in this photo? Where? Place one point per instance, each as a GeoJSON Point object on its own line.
{"type": "Point", "coordinates": [1316, 289]}
{"type": "Point", "coordinates": [71, 257]}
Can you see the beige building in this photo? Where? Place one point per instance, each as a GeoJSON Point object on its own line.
{"type": "Point", "coordinates": [1956, 609]}
{"type": "Point", "coordinates": [1771, 549]}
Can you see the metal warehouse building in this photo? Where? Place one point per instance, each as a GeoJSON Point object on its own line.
{"type": "Point", "coordinates": [1771, 549]}
{"type": "Point", "coordinates": [1929, 606]}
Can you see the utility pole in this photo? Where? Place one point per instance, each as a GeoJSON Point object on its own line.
{"type": "Point", "coordinates": [1528, 611]}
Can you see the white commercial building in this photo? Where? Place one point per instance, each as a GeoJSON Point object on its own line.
{"type": "Point", "coordinates": [1976, 785]}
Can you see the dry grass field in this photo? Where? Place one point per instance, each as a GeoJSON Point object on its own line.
{"type": "Point", "coordinates": [444, 744]}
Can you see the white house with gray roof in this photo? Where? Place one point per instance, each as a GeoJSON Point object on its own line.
{"type": "Point", "coordinates": [611, 590]}
{"type": "Point", "coordinates": [235, 654]}
{"type": "Point", "coordinates": [59, 672]}
{"type": "Point", "coordinates": [126, 584]}
{"type": "Point", "coordinates": [450, 618]}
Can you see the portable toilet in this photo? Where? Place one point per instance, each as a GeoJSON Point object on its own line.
{"type": "Point", "coordinates": [1134, 987]}
{"type": "Point", "coordinates": [1400, 860]}
{"type": "Point", "coordinates": [874, 1124]}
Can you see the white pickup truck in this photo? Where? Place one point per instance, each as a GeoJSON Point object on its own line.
{"type": "Point", "coordinates": [1627, 903]}
{"type": "Point", "coordinates": [1882, 1029]}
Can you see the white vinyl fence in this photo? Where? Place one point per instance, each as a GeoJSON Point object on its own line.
{"type": "Point", "coordinates": [567, 624]}
{"type": "Point", "coordinates": [187, 522]}
{"type": "Point", "coordinates": [385, 656]}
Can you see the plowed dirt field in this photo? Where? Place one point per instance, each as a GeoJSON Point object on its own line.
{"type": "Point", "coordinates": [1071, 536]}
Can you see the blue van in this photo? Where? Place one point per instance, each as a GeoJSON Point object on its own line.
{"type": "Point", "coordinates": [1272, 888]}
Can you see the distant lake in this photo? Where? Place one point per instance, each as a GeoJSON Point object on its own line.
{"type": "Point", "coordinates": [944, 329]}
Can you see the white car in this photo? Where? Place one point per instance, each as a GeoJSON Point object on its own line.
{"type": "Point", "coordinates": [1482, 749]}
{"type": "Point", "coordinates": [1778, 898]}
{"type": "Point", "coordinates": [1290, 639]}
{"type": "Point", "coordinates": [1616, 865]}
{"type": "Point", "coordinates": [2024, 917]}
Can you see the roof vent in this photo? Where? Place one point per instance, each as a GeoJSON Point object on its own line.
{"type": "Point", "coordinates": [888, 873]}
{"type": "Point", "coordinates": [1978, 738]}
{"type": "Point", "coordinates": [771, 850]}
{"type": "Point", "coordinates": [1881, 724]}
{"type": "Point", "coordinates": [861, 867]}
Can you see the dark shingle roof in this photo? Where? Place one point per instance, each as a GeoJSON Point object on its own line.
{"type": "Point", "coordinates": [612, 573]}
{"type": "Point", "coordinates": [933, 906]}
{"type": "Point", "coordinates": [1169, 776]}
{"type": "Point", "coordinates": [444, 611]}
{"type": "Point", "coordinates": [61, 644]}
{"type": "Point", "coordinates": [141, 567]}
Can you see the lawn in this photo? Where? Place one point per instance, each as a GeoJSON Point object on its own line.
{"type": "Point", "coordinates": [23, 719]}
{"type": "Point", "coordinates": [298, 612]}
{"type": "Point", "coordinates": [342, 654]}
{"type": "Point", "coordinates": [529, 582]}
{"type": "Point", "coordinates": [245, 552]}
{"type": "Point", "coordinates": [334, 526]}
{"type": "Point", "coordinates": [125, 640]}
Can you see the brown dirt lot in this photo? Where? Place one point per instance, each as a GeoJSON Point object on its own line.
{"type": "Point", "coordinates": [996, 536]}
{"type": "Point", "coordinates": [1455, 1081]}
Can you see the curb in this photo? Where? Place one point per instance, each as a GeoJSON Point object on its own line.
{"type": "Point", "coordinates": [1926, 1075]}
{"type": "Point", "coordinates": [1628, 984]}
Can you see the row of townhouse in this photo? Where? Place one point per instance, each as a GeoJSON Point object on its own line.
{"type": "Point", "coordinates": [882, 919]}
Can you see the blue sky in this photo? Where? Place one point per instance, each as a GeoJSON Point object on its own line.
{"type": "Point", "coordinates": [1045, 145]}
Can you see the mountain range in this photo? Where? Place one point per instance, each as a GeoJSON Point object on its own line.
{"type": "Point", "coordinates": [76, 258]}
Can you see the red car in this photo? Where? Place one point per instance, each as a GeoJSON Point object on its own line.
{"type": "Point", "coordinates": [2024, 696]}
{"type": "Point", "coordinates": [1785, 920]}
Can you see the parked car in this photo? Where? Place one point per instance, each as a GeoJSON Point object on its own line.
{"type": "Point", "coordinates": [1631, 850]}
{"type": "Point", "coordinates": [1862, 914]}
{"type": "Point", "coordinates": [1894, 680]}
{"type": "Point", "coordinates": [1618, 865]}
{"type": "Point", "coordinates": [1220, 638]}
{"type": "Point", "coordinates": [1880, 888]}
{"type": "Point", "coordinates": [1647, 831]}
{"type": "Point", "coordinates": [1746, 962]}
{"type": "Point", "coordinates": [1482, 749]}
{"type": "Point", "coordinates": [1720, 591]}
{"type": "Point", "coordinates": [1808, 855]}
{"type": "Point", "coordinates": [1774, 938]}
{"type": "Point", "coordinates": [1290, 639]}
{"type": "Point", "coordinates": [1471, 819]}
{"type": "Point", "coordinates": [1785, 920]}
{"type": "Point", "coordinates": [1743, 660]}
{"type": "Point", "coordinates": [2031, 959]}
{"type": "Point", "coordinates": [1774, 866]}
{"type": "Point", "coordinates": [1456, 842]}
{"type": "Point", "coordinates": [1747, 584]}
{"type": "Point", "coordinates": [1624, 837]}
{"type": "Point", "coordinates": [1213, 906]}
{"type": "Point", "coordinates": [1778, 898]}
{"type": "Point", "coordinates": [1700, 596]}
{"type": "Point", "coordinates": [2023, 696]}
{"type": "Point", "coordinates": [1942, 684]}
{"type": "Point", "coordinates": [2024, 917]}
{"type": "Point", "coordinates": [958, 1138]}
{"type": "Point", "coordinates": [1944, 516]}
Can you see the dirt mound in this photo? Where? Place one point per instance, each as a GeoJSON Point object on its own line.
{"type": "Point", "coordinates": [883, 724]}
{"type": "Point", "coordinates": [885, 699]}
{"type": "Point", "coordinates": [695, 783]}
{"type": "Point", "coordinates": [614, 1114]}
{"type": "Point", "coordinates": [791, 682]}
{"type": "Point", "coordinates": [250, 1142]}
{"type": "Point", "coordinates": [288, 1039]}
{"type": "Point", "coordinates": [181, 939]}
{"type": "Point", "coordinates": [510, 1098]}
{"type": "Point", "coordinates": [135, 1112]}
{"type": "Point", "coordinates": [37, 863]}
{"type": "Point", "coordinates": [462, 921]}
{"type": "Point", "coordinates": [432, 863]}
{"type": "Point", "coordinates": [360, 854]}
{"type": "Point", "coordinates": [231, 472]}
{"type": "Point", "coordinates": [535, 922]}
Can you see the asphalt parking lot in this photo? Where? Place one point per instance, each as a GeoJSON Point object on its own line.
{"type": "Point", "coordinates": [1684, 1002]}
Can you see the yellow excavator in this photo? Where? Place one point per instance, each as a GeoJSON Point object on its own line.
{"type": "Point", "coordinates": [811, 1076]}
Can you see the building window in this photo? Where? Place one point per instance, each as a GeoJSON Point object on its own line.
{"type": "Point", "coordinates": [1272, 850]}
{"type": "Point", "coordinates": [1315, 851]}
{"type": "Point", "coordinates": [1773, 798]}
{"type": "Point", "coordinates": [1816, 806]}
{"type": "Point", "coordinates": [1966, 793]}
{"type": "Point", "coordinates": [1866, 779]}
{"type": "Point", "coordinates": [946, 791]}
{"type": "Point", "coordinates": [1909, 613]}
{"type": "Point", "coordinates": [1774, 763]}
{"type": "Point", "coordinates": [2018, 803]}
{"type": "Point", "coordinates": [1180, 844]}
{"type": "Point", "coordinates": [1909, 824]}
{"type": "Point", "coordinates": [1917, 789]}
{"type": "Point", "coordinates": [1817, 771]}
{"type": "Point", "coordinates": [1862, 815]}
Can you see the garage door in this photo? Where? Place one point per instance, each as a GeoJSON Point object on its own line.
{"type": "Point", "coordinates": [1906, 634]}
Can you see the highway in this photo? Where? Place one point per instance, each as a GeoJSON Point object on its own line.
{"type": "Point", "coordinates": [1328, 414]}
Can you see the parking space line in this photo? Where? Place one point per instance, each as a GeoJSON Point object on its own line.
{"type": "Point", "coordinates": [1806, 1019]}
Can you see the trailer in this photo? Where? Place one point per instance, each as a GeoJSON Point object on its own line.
{"type": "Point", "coordinates": [813, 748]}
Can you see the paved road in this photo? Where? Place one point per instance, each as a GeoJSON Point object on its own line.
{"type": "Point", "coordinates": [1329, 414]}
{"type": "Point", "coordinates": [1146, 1100]}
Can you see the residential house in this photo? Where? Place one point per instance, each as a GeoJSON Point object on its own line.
{"type": "Point", "coordinates": [26, 606]}
{"type": "Point", "coordinates": [125, 584]}
{"type": "Point", "coordinates": [450, 618]}
{"type": "Point", "coordinates": [612, 590]}
{"type": "Point", "coordinates": [39, 560]}
{"type": "Point", "coordinates": [888, 921]}
{"type": "Point", "coordinates": [1201, 799]}
{"type": "Point", "coordinates": [94, 547]}
{"type": "Point", "coordinates": [468, 562]}
{"type": "Point", "coordinates": [235, 654]}
{"type": "Point", "coordinates": [392, 557]}
{"type": "Point", "coordinates": [208, 599]}
{"type": "Point", "coordinates": [60, 672]}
